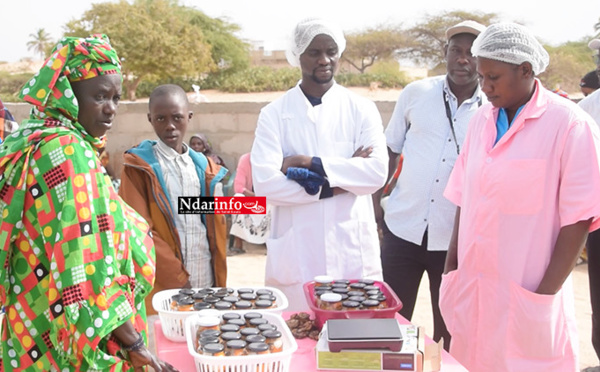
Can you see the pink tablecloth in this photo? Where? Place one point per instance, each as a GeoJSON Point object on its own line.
{"type": "Point", "coordinates": [303, 360]}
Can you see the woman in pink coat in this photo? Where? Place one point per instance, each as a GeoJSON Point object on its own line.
{"type": "Point", "coordinates": [526, 185]}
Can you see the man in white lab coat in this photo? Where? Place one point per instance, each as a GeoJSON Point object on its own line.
{"type": "Point", "coordinates": [322, 225]}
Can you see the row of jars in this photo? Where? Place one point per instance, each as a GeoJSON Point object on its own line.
{"type": "Point", "coordinates": [223, 299]}
{"type": "Point", "coordinates": [237, 335]}
{"type": "Point", "coordinates": [344, 295]}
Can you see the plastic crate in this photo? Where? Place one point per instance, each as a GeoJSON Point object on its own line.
{"type": "Point", "coordinates": [173, 322]}
{"type": "Point", "coordinates": [321, 316]}
{"type": "Point", "coordinates": [276, 362]}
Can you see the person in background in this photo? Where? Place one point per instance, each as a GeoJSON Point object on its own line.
{"type": "Point", "coordinates": [318, 155]}
{"type": "Point", "coordinates": [77, 261]}
{"type": "Point", "coordinates": [590, 83]}
{"type": "Point", "coordinates": [199, 143]}
{"type": "Point", "coordinates": [428, 126]}
{"type": "Point", "coordinates": [190, 248]}
{"type": "Point", "coordinates": [591, 104]}
{"type": "Point", "coordinates": [8, 124]}
{"type": "Point", "coordinates": [526, 183]}
{"type": "Point", "coordinates": [252, 228]}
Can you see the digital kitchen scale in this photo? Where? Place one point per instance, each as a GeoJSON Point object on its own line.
{"type": "Point", "coordinates": [363, 334]}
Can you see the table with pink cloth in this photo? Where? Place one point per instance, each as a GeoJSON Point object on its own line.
{"type": "Point", "coordinates": [303, 360]}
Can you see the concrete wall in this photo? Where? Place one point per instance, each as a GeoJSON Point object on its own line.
{"type": "Point", "coordinates": [229, 126]}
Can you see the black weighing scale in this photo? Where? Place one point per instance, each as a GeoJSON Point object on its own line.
{"type": "Point", "coordinates": [363, 334]}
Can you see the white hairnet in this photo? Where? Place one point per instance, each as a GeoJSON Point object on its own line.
{"type": "Point", "coordinates": [511, 43]}
{"type": "Point", "coordinates": [305, 32]}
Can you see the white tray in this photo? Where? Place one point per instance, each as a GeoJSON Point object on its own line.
{"type": "Point", "coordinates": [172, 321]}
{"type": "Point", "coordinates": [275, 362]}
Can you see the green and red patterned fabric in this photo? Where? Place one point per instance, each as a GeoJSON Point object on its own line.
{"type": "Point", "coordinates": [77, 261]}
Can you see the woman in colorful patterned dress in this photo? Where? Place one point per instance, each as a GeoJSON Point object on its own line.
{"type": "Point", "coordinates": [77, 261]}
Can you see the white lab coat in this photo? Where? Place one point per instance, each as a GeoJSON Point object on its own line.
{"type": "Point", "coordinates": [335, 236]}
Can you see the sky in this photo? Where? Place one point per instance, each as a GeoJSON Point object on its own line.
{"type": "Point", "coordinates": [269, 22]}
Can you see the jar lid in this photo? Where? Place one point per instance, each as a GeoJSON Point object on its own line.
{"type": "Point", "coordinates": [373, 292]}
{"type": "Point", "coordinates": [357, 298]}
{"type": "Point", "coordinates": [248, 296]}
{"type": "Point", "coordinates": [211, 299]}
{"type": "Point", "coordinates": [213, 348]}
{"type": "Point", "coordinates": [323, 279]}
{"type": "Point", "coordinates": [199, 296]}
{"type": "Point", "coordinates": [258, 347]}
{"type": "Point", "coordinates": [357, 285]}
{"type": "Point", "coordinates": [228, 336]}
{"type": "Point", "coordinates": [258, 321]}
{"type": "Point", "coordinates": [351, 304]}
{"type": "Point", "coordinates": [367, 281]}
{"type": "Point", "coordinates": [209, 312]}
{"type": "Point", "coordinates": [221, 294]}
{"type": "Point", "coordinates": [340, 290]}
{"type": "Point", "coordinates": [187, 291]}
{"type": "Point", "coordinates": [252, 315]}
{"type": "Point", "coordinates": [263, 303]}
{"type": "Point", "coordinates": [272, 334]}
{"type": "Point", "coordinates": [249, 331]}
{"type": "Point", "coordinates": [243, 305]}
{"type": "Point", "coordinates": [236, 344]}
{"type": "Point", "coordinates": [231, 299]}
{"type": "Point", "coordinates": [208, 340]}
{"type": "Point", "coordinates": [210, 333]}
{"type": "Point", "coordinates": [371, 288]}
{"type": "Point", "coordinates": [370, 303]}
{"type": "Point", "coordinates": [178, 297]}
{"type": "Point", "coordinates": [228, 316]}
{"type": "Point", "coordinates": [207, 291]}
{"type": "Point", "coordinates": [269, 297]}
{"type": "Point", "coordinates": [355, 293]}
{"type": "Point", "coordinates": [341, 281]}
{"type": "Point", "coordinates": [267, 327]}
{"type": "Point", "coordinates": [223, 305]}
{"type": "Point", "coordinates": [237, 322]}
{"type": "Point", "coordinates": [339, 285]}
{"type": "Point", "coordinates": [264, 291]}
{"type": "Point", "coordinates": [245, 290]}
{"type": "Point", "coordinates": [331, 297]}
{"type": "Point", "coordinates": [256, 338]}
{"type": "Point", "coordinates": [208, 321]}
{"type": "Point", "coordinates": [228, 327]}
{"type": "Point", "coordinates": [185, 301]}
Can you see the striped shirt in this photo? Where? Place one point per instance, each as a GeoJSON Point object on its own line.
{"type": "Point", "coordinates": [182, 179]}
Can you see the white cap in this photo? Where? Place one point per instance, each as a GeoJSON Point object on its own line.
{"type": "Point", "coordinates": [465, 27]}
{"type": "Point", "coordinates": [511, 43]}
{"type": "Point", "coordinates": [209, 313]}
{"type": "Point", "coordinates": [331, 297]}
{"type": "Point", "coordinates": [208, 321]}
{"type": "Point", "coordinates": [323, 279]}
{"type": "Point", "coordinates": [306, 31]}
{"type": "Point", "coordinates": [594, 44]}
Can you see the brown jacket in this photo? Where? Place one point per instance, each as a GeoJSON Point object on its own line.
{"type": "Point", "coordinates": [142, 189]}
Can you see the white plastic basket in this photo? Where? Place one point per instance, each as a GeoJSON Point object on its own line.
{"type": "Point", "coordinates": [276, 362]}
{"type": "Point", "coordinates": [172, 321]}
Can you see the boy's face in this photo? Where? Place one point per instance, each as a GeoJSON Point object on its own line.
{"type": "Point", "coordinates": [169, 117]}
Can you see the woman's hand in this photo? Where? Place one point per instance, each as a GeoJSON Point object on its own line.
{"type": "Point", "coordinates": [143, 357]}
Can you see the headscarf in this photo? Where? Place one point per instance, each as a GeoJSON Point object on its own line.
{"type": "Point", "coordinates": [511, 43]}
{"type": "Point", "coordinates": [306, 31]}
{"type": "Point", "coordinates": [72, 59]}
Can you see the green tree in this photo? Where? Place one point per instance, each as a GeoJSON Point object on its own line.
{"type": "Point", "coordinates": [40, 42]}
{"type": "Point", "coordinates": [428, 37]}
{"type": "Point", "coordinates": [364, 48]}
{"type": "Point", "coordinates": [152, 38]}
{"type": "Point", "coordinates": [228, 52]}
{"type": "Point", "coordinates": [568, 63]}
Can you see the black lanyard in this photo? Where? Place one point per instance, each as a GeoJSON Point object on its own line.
{"type": "Point", "coordinates": [449, 116]}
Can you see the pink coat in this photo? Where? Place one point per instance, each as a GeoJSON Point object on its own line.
{"type": "Point", "coordinates": [515, 196]}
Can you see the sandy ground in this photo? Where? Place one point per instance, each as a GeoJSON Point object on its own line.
{"type": "Point", "coordinates": [249, 270]}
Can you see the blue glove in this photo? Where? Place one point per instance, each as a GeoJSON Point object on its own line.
{"type": "Point", "coordinates": [311, 181]}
